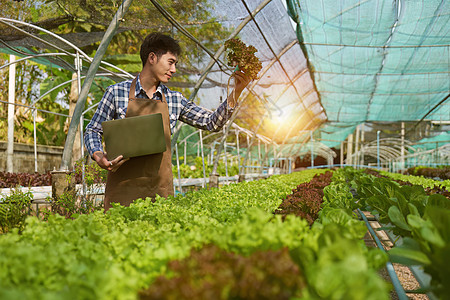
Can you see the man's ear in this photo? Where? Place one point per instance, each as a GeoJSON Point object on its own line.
{"type": "Point", "coordinates": [152, 58]}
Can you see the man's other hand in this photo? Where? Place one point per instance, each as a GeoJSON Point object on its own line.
{"type": "Point", "coordinates": [110, 165]}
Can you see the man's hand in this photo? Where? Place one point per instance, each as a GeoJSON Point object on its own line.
{"type": "Point", "coordinates": [242, 81]}
{"type": "Point", "coordinates": [110, 165]}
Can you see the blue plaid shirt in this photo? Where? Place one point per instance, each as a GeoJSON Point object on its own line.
{"type": "Point", "coordinates": [115, 102]}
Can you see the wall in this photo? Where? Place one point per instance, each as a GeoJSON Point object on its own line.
{"type": "Point", "coordinates": [48, 158]}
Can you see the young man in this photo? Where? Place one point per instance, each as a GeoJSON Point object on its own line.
{"type": "Point", "coordinates": [146, 176]}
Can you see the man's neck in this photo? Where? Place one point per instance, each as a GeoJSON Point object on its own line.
{"type": "Point", "coordinates": [149, 84]}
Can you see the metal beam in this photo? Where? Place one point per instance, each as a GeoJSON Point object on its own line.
{"type": "Point", "coordinates": [74, 123]}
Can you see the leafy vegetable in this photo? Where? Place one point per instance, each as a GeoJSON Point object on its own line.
{"type": "Point", "coordinates": [212, 273]}
{"type": "Point", "coordinates": [243, 56]}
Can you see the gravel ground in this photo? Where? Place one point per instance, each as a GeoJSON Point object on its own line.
{"type": "Point", "coordinates": [404, 274]}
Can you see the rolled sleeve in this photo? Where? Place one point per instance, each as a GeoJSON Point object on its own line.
{"type": "Point", "coordinates": [205, 119]}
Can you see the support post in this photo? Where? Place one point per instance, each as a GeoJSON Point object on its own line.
{"type": "Point", "coordinates": [241, 178]}
{"type": "Point", "coordinates": [185, 152]}
{"type": "Point", "coordinates": [356, 161]}
{"type": "Point", "coordinates": [35, 140]}
{"type": "Point", "coordinates": [225, 160]}
{"type": "Point", "coordinates": [11, 110]}
{"type": "Point", "coordinates": [238, 150]}
{"type": "Point", "coordinates": [349, 149]}
{"type": "Point", "coordinates": [378, 149]}
{"type": "Point", "coordinates": [402, 150]}
{"type": "Point", "coordinates": [312, 149]}
{"type": "Point", "coordinates": [213, 181]}
{"type": "Point", "coordinates": [249, 152]}
{"type": "Point", "coordinates": [203, 157]}
{"type": "Point", "coordinates": [74, 123]}
{"type": "Point", "coordinates": [61, 183]}
{"type": "Point", "coordinates": [178, 169]}
{"type": "Point", "coordinates": [362, 144]}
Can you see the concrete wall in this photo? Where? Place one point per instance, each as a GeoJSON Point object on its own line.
{"type": "Point", "coordinates": [48, 158]}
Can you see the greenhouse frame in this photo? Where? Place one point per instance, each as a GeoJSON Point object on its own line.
{"type": "Point", "coordinates": [383, 52]}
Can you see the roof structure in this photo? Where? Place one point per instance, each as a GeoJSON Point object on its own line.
{"type": "Point", "coordinates": [377, 60]}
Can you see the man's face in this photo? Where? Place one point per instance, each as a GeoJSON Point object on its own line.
{"type": "Point", "coordinates": [164, 67]}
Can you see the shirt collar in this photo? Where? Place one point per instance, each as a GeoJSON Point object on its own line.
{"type": "Point", "coordinates": [139, 89]}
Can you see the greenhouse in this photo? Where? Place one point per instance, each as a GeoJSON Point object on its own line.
{"type": "Point", "coordinates": [301, 140]}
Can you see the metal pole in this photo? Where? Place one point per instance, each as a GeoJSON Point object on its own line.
{"type": "Point", "coordinates": [11, 109]}
{"type": "Point", "coordinates": [203, 158]}
{"type": "Point", "coordinates": [185, 151]}
{"type": "Point", "coordinates": [274, 158]}
{"type": "Point", "coordinates": [78, 66]}
{"type": "Point", "coordinates": [35, 140]}
{"type": "Point", "coordinates": [259, 154]}
{"type": "Point", "coordinates": [109, 34]}
{"type": "Point", "coordinates": [390, 268]}
{"type": "Point", "coordinates": [225, 156]}
{"type": "Point", "coordinates": [356, 160]}
{"type": "Point", "coordinates": [249, 151]}
{"type": "Point", "coordinates": [265, 153]}
{"type": "Point", "coordinates": [350, 149]}
{"type": "Point", "coordinates": [362, 144]}
{"type": "Point", "coordinates": [312, 149]}
{"type": "Point", "coordinates": [178, 168]}
{"type": "Point", "coordinates": [237, 147]}
{"type": "Point", "coordinates": [83, 165]}
{"type": "Point", "coordinates": [402, 164]}
{"type": "Point", "coordinates": [378, 149]}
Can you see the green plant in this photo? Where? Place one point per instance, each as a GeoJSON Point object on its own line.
{"type": "Point", "coordinates": [71, 202]}
{"type": "Point", "coordinates": [243, 56]}
{"type": "Point", "coordinates": [14, 209]}
{"type": "Point", "coordinates": [421, 223]}
{"type": "Point", "coordinates": [212, 273]}
{"type": "Point", "coordinates": [92, 173]}
{"type": "Point", "coordinates": [196, 170]}
{"type": "Point", "coordinates": [306, 200]}
{"type": "Point", "coordinates": [429, 246]}
{"type": "Point", "coordinates": [114, 255]}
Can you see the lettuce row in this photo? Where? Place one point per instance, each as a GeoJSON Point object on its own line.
{"type": "Point", "coordinates": [114, 255]}
{"type": "Point", "coordinates": [421, 221]}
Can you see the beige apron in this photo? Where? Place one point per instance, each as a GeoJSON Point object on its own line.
{"type": "Point", "coordinates": [143, 176]}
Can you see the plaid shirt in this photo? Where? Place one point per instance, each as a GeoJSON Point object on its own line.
{"type": "Point", "coordinates": [115, 102]}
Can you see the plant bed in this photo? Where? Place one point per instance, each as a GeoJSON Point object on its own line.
{"type": "Point", "coordinates": [212, 273]}
{"type": "Point", "coordinates": [442, 172]}
{"type": "Point", "coordinates": [418, 220]}
{"type": "Point", "coordinates": [306, 199]}
{"type": "Point", "coordinates": [118, 254]}
{"type": "Point", "coordinates": [430, 186]}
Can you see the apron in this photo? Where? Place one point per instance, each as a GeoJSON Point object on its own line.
{"type": "Point", "coordinates": [147, 175]}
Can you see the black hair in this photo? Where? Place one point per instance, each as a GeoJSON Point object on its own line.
{"type": "Point", "coordinates": [159, 44]}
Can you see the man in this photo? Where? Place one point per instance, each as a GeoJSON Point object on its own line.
{"type": "Point", "coordinates": [146, 176]}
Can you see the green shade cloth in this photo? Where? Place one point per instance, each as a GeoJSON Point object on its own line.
{"type": "Point", "coordinates": [376, 60]}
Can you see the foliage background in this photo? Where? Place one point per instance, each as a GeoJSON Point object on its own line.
{"type": "Point", "coordinates": [83, 22]}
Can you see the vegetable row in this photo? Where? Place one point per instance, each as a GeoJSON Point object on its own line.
{"type": "Point", "coordinates": [121, 254]}
{"type": "Point", "coordinates": [419, 219]}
